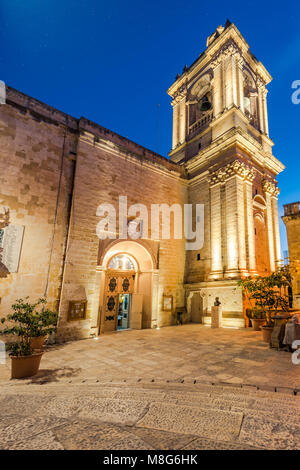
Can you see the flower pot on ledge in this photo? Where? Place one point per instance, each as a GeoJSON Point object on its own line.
{"type": "Point", "coordinates": [266, 333]}
{"type": "Point", "coordinates": [257, 323]}
{"type": "Point", "coordinates": [25, 366]}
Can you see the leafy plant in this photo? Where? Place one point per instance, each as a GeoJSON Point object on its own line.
{"type": "Point", "coordinates": [29, 320]}
{"type": "Point", "coordinates": [269, 293]}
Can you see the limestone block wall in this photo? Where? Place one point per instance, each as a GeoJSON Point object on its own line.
{"type": "Point", "coordinates": [292, 224]}
{"type": "Point", "coordinates": [199, 269]}
{"type": "Point", "coordinates": [106, 170]}
{"type": "Point", "coordinates": [35, 187]}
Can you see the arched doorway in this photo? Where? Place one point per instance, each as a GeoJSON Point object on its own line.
{"type": "Point", "coordinates": [128, 287]}
{"type": "Point", "coordinates": [119, 288]}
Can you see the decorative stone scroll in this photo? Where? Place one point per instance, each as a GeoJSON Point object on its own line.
{"type": "Point", "coordinates": [229, 49]}
{"type": "Point", "coordinates": [234, 168]}
{"type": "Point", "coordinates": [270, 187]}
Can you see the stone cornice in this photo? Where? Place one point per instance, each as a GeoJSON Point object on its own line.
{"type": "Point", "coordinates": [111, 147]}
{"type": "Point", "coordinates": [245, 141]}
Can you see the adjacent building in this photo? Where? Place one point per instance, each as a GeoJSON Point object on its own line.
{"type": "Point", "coordinates": [291, 218]}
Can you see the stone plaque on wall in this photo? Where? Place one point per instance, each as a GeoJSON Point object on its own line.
{"type": "Point", "coordinates": [77, 310]}
{"type": "Point", "coordinates": [11, 238]}
{"type": "Point", "coordinates": [167, 303]}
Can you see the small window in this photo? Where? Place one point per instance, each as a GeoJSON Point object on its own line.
{"type": "Point", "coordinates": [198, 257]}
{"type": "Point", "coordinates": [121, 262]}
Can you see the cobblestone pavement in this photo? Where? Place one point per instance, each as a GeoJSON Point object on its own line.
{"type": "Point", "coordinates": [147, 416]}
{"type": "Point", "coordinates": [185, 387]}
{"type": "Point", "coordinates": [189, 352]}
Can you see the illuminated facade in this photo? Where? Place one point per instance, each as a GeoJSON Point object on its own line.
{"type": "Point", "coordinates": [56, 170]}
{"type": "Point", "coordinates": [221, 137]}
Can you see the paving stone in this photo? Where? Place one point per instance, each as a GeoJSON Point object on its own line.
{"type": "Point", "coordinates": [222, 425]}
{"type": "Point", "coordinates": [270, 433]}
{"type": "Point", "coordinates": [98, 436]}
{"type": "Point", "coordinates": [45, 441]}
{"type": "Point", "coordinates": [126, 412]}
{"type": "Point", "coordinates": [26, 404]}
{"type": "Point", "coordinates": [27, 427]}
{"type": "Point", "coordinates": [162, 440]}
{"type": "Point", "coordinates": [212, 444]}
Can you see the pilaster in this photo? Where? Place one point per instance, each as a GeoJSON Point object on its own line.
{"type": "Point", "coordinates": [269, 189]}
{"type": "Point", "coordinates": [250, 238]}
{"type": "Point", "coordinates": [278, 256]}
{"type": "Point", "coordinates": [216, 230]}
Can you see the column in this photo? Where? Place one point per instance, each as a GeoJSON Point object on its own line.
{"type": "Point", "coordinates": [235, 226]}
{"type": "Point", "coordinates": [250, 225]}
{"type": "Point", "coordinates": [217, 93]}
{"type": "Point", "coordinates": [155, 298]}
{"type": "Point", "coordinates": [234, 80]}
{"type": "Point", "coordinates": [175, 123]}
{"type": "Point", "coordinates": [270, 230]}
{"type": "Point", "coordinates": [240, 84]}
{"type": "Point", "coordinates": [97, 299]}
{"type": "Point", "coordinates": [278, 257]}
{"type": "Point", "coordinates": [261, 109]}
{"type": "Point", "coordinates": [216, 231]}
{"type": "Point", "coordinates": [265, 111]}
{"type": "Point", "coordinates": [228, 82]}
{"type": "Point", "coordinates": [182, 121]}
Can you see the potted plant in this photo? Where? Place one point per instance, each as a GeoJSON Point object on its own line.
{"type": "Point", "coordinates": [258, 319]}
{"type": "Point", "coordinates": [26, 322]}
{"type": "Point", "coordinates": [252, 288]}
{"type": "Point", "coordinates": [270, 295]}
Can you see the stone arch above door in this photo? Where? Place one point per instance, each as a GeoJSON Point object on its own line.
{"type": "Point", "coordinates": [145, 252]}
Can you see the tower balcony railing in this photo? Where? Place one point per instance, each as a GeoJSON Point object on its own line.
{"type": "Point", "coordinates": [201, 123]}
{"type": "Point", "coordinates": [292, 208]}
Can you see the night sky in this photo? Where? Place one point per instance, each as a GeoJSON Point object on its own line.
{"type": "Point", "coordinates": [112, 62]}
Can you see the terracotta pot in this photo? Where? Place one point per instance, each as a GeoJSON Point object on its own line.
{"type": "Point", "coordinates": [37, 342]}
{"type": "Point", "coordinates": [25, 366]}
{"type": "Point", "coordinates": [257, 323]}
{"type": "Point", "coordinates": [266, 333]}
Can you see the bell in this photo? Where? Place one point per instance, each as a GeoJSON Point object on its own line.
{"type": "Point", "coordinates": [205, 104]}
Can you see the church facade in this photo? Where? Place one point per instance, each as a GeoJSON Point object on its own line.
{"type": "Point", "coordinates": [56, 171]}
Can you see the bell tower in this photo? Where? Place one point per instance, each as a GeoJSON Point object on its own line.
{"type": "Point", "coordinates": [221, 137]}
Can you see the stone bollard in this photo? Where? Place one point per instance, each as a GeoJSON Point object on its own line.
{"type": "Point", "coordinates": [216, 316]}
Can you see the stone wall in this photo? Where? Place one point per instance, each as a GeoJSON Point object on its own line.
{"type": "Point", "coordinates": [106, 170]}
{"type": "Point", "coordinates": [35, 188]}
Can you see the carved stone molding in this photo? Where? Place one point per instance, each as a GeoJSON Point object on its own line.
{"type": "Point", "coordinates": [228, 49]}
{"type": "Point", "coordinates": [236, 168]}
{"type": "Point", "coordinates": [270, 187]}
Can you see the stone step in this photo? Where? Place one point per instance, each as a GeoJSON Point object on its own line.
{"type": "Point", "coordinates": [200, 395]}
{"type": "Point", "coordinates": [248, 419]}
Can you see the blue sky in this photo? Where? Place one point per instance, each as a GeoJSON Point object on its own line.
{"type": "Point", "coordinates": [112, 62]}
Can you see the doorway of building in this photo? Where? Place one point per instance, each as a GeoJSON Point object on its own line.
{"type": "Point", "coordinates": [124, 312]}
{"type": "Point", "coordinates": [119, 287]}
